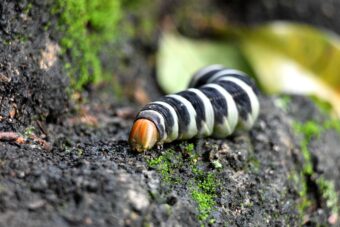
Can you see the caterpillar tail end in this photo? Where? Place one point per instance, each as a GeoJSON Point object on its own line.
{"type": "Point", "coordinates": [143, 135]}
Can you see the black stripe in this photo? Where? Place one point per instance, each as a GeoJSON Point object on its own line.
{"type": "Point", "coordinates": [182, 114]}
{"type": "Point", "coordinates": [198, 105]}
{"type": "Point", "coordinates": [168, 119]}
{"type": "Point", "coordinates": [240, 97]}
{"type": "Point", "coordinates": [243, 78]}
{"type": "Point", "coordinates": [155, 119]}
{"type": "Point", "coordinates": [204, 79]}
{"type": "Point", "coordinates": [218, 102]}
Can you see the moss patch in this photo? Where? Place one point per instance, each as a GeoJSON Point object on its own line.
{"type": "Point", "coordinates": [283, 102]}
{"type": "Point", "coordinates": [328, 193]}
{"type": "Point", "coordinates": [332, 124]}
{"type": "Point", "coordinates": [299, 180]}
{"type": "Point", "coordinates": [166, 164]}
{"type": "Point", "coordinates": [201, 184]}
{"type": "Point", "coordinates": [308, 130]}
{"type": "Point", "coordinates": [86, 26]}
{"type": "Point", "coordinates": [312, 130]}
{"type": "Point", "coordinates": [203, 191]}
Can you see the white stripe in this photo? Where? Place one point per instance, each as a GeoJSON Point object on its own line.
{"type": "Point", "coordinates": [254, 102]}
{"type": "Point", "coordinates": [174, 130]}
{"type": "Point", "coordinates": [230, 121]}
{"type": "Point", "coordinates": [192, 127]}
{"type": "Point", "coordinates": [153, 112]}
{"type": "Point", "coordinates": [202, 72]}
{"type": "Point", "coordinates": [225, 72]}
{"type": "Point", "coordinates": [208, 125]}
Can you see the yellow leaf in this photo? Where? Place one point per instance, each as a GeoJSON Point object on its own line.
{"type": "Point", "coordinates": [295, 58]}
{"type": "Point", "coordinates": [285, 57]}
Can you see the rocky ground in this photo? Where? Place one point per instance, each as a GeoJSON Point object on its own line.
{"type": "Point", "coordinates": [91, 177]}
{"type": "Point", "coordinates": [73, 166]}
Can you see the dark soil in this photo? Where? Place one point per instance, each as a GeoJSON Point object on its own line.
{"type": "Point", "coordinates": [32, 85]}
{"type": "Point", "coordinates": [91, 177]}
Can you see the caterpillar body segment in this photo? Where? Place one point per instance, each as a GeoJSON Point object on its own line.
{"type": "Point", "coordinates": [187, 127]}
{"type": "Point", "coordinates": [224, 109]}
{"type": "Point", "coordinates": [204, 110]}
{"type": "Point", "coordinates": [218, 102]}
{"type": "Point", "coordinates": [201, 76]}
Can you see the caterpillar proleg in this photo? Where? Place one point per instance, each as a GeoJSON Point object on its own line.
{"type": "Point", "coordinates": [217, 102]}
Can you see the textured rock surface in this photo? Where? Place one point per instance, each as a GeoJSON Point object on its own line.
{"type": "Point", "coordinates": [91, 177]}
{"type": "Point", "coordinates": [32, 81]}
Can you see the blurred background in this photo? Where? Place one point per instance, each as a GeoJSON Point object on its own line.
{"type": "Point", "coordinates": [146, 48]}
{"type": "Point", "coordinates": [287, 46]}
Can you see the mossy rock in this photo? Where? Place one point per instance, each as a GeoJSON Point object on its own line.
{"type": "Point", "coordinates": [49, 51]}
{"type": "Point", "coordinates": [86, 26]}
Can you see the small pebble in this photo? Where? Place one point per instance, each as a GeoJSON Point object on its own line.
{"type": "Point", "coordinates": [36, 204]}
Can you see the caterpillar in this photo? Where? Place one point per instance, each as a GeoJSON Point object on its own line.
{"type": "Point", "coordinates": [218, 101]}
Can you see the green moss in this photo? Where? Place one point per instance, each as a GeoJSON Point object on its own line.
{"type": "Point", "coordinates": [193, 156]}
{"type": "Point", "coordinates": [86, 26]}
{"type": "Point", "coordinates": [308, 165]}
{"type": "Point", "coordinates": [328, 192]}
{"type": "Point", "coordinates": [166, 164]}
{"type": "Point", "coordinates": [332, 124]}
{"type": "Point", "coordinates": [204, 192]}
{"type": "Point", "coordinates": [254, 163]}
{"type": "Point", "coordinates": [190, 148]}
{"type": "Point", "coordinates": [300, 180]}
{"type": "Point", "coordinates": [205, 203]}
{"type": "Point", "coordinates": [308, 130]}
{"type": "Point", "coordinates": [311, 130]}
{"type": "Point", "coordinates": [283, 102]}
{"type": "Point", "coordinates": [324, 106]}
{"type": "Point", "coordinates": [28, 8]}
{"type": "Point", "coordinates": [203, 184]}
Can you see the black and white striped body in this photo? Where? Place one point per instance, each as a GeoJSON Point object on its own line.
{"type": "Point", "coordinates": [217, 102]}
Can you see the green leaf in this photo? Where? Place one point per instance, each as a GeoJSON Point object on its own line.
{"type": "Point", "coordinates": [294, 58]}
{"type": "Point", "coordinates": [285, 58]}
{"type": "Point", "coordinates": [179, 57]}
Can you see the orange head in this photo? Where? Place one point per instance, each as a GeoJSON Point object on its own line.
{"type": "Point", "coordinates": [143, 135]}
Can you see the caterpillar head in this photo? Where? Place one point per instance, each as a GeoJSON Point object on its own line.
{"type": "Point", "coordinates": [143, 135]}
